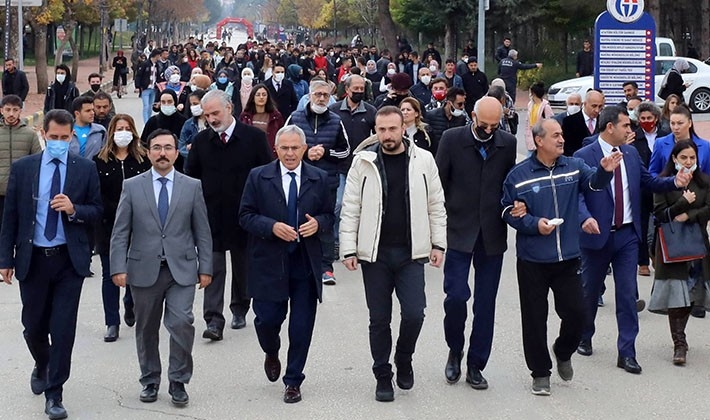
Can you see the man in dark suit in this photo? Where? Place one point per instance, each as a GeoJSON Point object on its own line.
{"type": "Point", "coordinates": [574, 105]}
{"type": "Point", "coordinates": [14, 80]}
{"type": "Point", "coordinates": [51, 199]}
{"type": "Point", "coordinates": [222, 158]}
{"type": "Point", "coordinates": [611, 224]}
{"type": "Point", "coordinates": [475, 232]}
{"type": "Point", "coordinates": [577, 127]}
{"type": "Point", "coordinates": [282, 91]}
{"type": "Point", "coordinates": [285, 208]}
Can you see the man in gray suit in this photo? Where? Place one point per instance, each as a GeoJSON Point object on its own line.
{"type": "Point", "coordinates": [161, 246]}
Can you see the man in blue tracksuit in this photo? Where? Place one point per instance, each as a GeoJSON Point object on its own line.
{"type": "Point", "coordinates": [547, 245]}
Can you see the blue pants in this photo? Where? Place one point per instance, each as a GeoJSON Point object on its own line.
{"type": "Point", "coordinates": [339, 205]}
{"type": "Point", "coordinates": [148, 97]}
{"type": "Point", "coordinates": [621, 250]}
{"type": "Point", "coordinates": [111, 294]}
{"type": "Point", "coordinates": [486, 280]}
{"type": "Point", "coordinates": [270, 315]}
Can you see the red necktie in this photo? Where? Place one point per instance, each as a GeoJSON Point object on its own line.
{"type": "Point", "coordinates": [618, 196]}
{"type": "Point", "coordinates": [590, 126]}
{"type": "Point", "coordinates": [223, 136]}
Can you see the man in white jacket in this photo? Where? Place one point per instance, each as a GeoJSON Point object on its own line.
{"type": "Point", "coordinates": [393, 221]}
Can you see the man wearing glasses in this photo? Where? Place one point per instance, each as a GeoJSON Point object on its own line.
{"type": "Point", "coordinates": [475, 232]}
{"type": "Point", "coordinates": [452, 114]}
{"type": "Point", "coordinates": [328, 145]}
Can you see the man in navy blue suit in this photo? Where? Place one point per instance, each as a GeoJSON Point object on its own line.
{"type": "Point", "coordinates": [611, 224]}
{"type": "Point", "coordinates": [286, 207]}
{"type": "Point", "coordinates": [51, 199]}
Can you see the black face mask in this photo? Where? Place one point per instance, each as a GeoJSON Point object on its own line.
{"type": "Point", "coordinates": [357, 97]}
{"type": "Point", "coordinates": [481, 135]}
{"type": "Point", "coordinates": [95, 87]}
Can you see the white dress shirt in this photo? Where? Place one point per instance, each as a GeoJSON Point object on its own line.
{"type": "Point", "coordinates": [286, 179]}
{"type": "Point", "coordinates": [587, 118]}
{"type": "Point", "coordinates": [157, 185]}
{"type": "Point", "coordinates": [229, 129]}
{"type": "Point", "coordinates": [651, 138]}
{"type": "Point", "coordinates": [606, 150]}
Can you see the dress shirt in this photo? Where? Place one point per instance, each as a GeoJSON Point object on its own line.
{"type": "Point", "coordinates": [46, 172]}
{"type": "Point", "coordinates": [606, 150]}
{"type": "Point", "coordinates": [157, 185]}
{"type": "Point", "coordinates": [229, 130]}
{"type": "Point", "coordinates": [651, 138]}
{"type": "Point", "coordinates": [586, 121]}
{"type": "Point", "coordinates": [286, 179]}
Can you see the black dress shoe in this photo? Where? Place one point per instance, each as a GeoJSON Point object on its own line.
{"type": "Point", "coordinates": [111, 334]}
{"type": "Point", "coordinates": [238, 322]}
{"type": "Point", "coordinates": [272, 368]}
{"type": "Point", "coordinates": [178, 394]}
{"type": "Point", "coordinates": [585, 348]}
{"type": "Point", "coordinates": [149, 393]}
{"type": "Point", "coordinates": [629, 364]}
{"type": "Point", "coordinates": [476, 379]}
{"type": "Point", "coordinates": [453, 367]}
{"type": "Point", "coordinates": [129, 316]}
{"type": "Point", "coordinates": [292, 394]}
{"type": "Point", "coordinates": [38, 380]}
{"type": "Point", "coordinates": [213, 333]}
{"type": "Point", "coordinates": [55, 410]}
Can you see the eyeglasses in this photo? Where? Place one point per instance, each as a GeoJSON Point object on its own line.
{"type": "Point", "coordinates": [158, 148]}
{"type": "Point", "coordinates": [321, 94]}
{"type": "Point", "coordinates": [287, 149]}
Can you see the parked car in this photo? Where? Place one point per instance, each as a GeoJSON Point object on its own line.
{"type": "Point", "coordinates": [697, 95]}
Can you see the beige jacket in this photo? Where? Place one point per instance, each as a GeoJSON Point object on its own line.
{"type": "Point", "coordinates": [361, 212]}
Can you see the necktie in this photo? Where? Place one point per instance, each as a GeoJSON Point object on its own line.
{"type": "Point", "coordinates": [163, 201]}
{"type": "Point", "coordinates": [590, 126]}
{"type": "Point", "coordinates": [292, 208]}
{"type": "Point", "coordinates": [278, 86]}
{"type": "Point", "coordinates": [618, 196]}
{"type": "Point", "coordinates": [482, 150]}
{"type": "Point", "coordinates": [223, 136]}
{"type": "Point", "coordinates": [50, 227]}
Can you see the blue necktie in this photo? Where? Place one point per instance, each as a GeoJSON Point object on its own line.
{"type": "Point", "coordinates": [292, 208]}
{"type": "Point", "coordinates": [163, 201]}
{"type": "Point", "coordinates": [50, 227]}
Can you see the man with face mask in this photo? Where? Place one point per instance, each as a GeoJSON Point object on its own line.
{"type": "Point", "coordinates": [450, 115]}
{"type": "Point", "coordinates": [420, 90]}
{"type": "Point", "coordinates": [52, 197]}
{"type": "Point", "coordinates": [94, 84]}
{"type": "Point", "coordinates": [282, 91]}
{"type": "Point", "coordinates": [475, 232]}
{"type": "Point", "coordinates": [62, 91]}
{"type": "Point", "coordinates": [398, 89]}
{"type": "Point", "coordinates": [574, 105]}
{"type": "Point", "coordinates": [328, 146]}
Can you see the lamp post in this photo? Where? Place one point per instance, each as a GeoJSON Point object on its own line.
{"type": "Point", "coordinates": [103, 11]}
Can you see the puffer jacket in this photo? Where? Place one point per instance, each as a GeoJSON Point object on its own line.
{"type": "Point", "coordinates": [364, 203]}
{"type": "Point", "coordinates": [15, 142]}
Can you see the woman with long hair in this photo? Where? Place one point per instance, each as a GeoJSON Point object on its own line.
{"type": "Point", "coordinates": [266, 69]}
{"type": "Point", "coordinates": [681, 122]}
{"type": "Point", "coordinates": [678, 287]}
{"type": "Point", "coordinates": [538, 109]}
{"type": "Point", "coordinates": [261, 113]}
{"type": "Point", "coordinates": [415, 128]}
{"type": "Point", "coordinates": [671, 102]}
{"type": "Point", "coordinates": [121, 157]}
{"type": "Point", "coordinates": [120, 73]}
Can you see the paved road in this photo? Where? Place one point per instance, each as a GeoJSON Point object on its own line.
{"type": "Point", "coordinates": [229, 382]}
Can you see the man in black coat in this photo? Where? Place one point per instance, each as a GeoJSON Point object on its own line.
{"type": "Point", "coordinates": [286, 208]}
{"type": "Point", "coordinates": [14, 80]}
{"type": "Point", "coordinates": [585, 60]}
{"type": "Point", "coordinates": [221, 157]}
{"type": "Point", "coordinates": [452, 114]}
{"type": "Point", "coordinates": [473, 162]}
{"type": "Point", "coordinates": [577, 127]}
{"type": "Point", "coordinates": [475, 83]}
{"type": "Point", "coordinates": [282, 92]}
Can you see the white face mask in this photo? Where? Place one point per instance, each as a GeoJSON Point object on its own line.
{"type": "Point", "coordinates": [247, 79]}
{"type": "Point", "coordinates": [433, 69]}
{"type": "Point", "coordinates": [318, 109]}
{"type": "Point", "coordinates": [196, 110]}
{"type": "Point", "coordinates": [174, 78]}
{"type": "Point", "coordinates": [61, 78]}
{"type": "Point", "coordinates": [390, 72]}
{"type": "Point", "coordinates": [458, 112]}
{"type": "Point", "coordinates": [573, 109]}
{"type": "Point", "coordinates": [168, 110]}
{"type": "Point", "coordinates": [279, 77]}
{"type": "Point", "coordinates": [122, 138]}
{"type": "Point", "coordinates": [426, 80]}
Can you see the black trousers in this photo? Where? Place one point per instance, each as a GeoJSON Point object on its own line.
{"type": "Point", "coordinates": [213, 304]}
{"type": "Point", "coordinates": [534, 282]}
{"type": "Point", "coordinates": [395, 271]}
{"type": "Point", "coordinates": [50, 302]}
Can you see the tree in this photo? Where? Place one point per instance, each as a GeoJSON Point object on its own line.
{"type": "Point", "coordinates": [39, 18]}
{"type": "Point", "coordinates": [214, 11]}
{"type": "Point", "coordinates": [287, 14]}
{"type": "Point", "coordinates": [308, 11]}
{"type": "Point", "coordinates": [387, 25]}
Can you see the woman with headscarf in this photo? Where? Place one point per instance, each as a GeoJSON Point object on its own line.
{"type": "Point", "coordinates": [294, 73]}
{"type": "Point", "coordinates": [168, 118]}
{"type": "Point", "coordinates": [224, 84]}
{"type": "Point", "coordinates": [120, 73]}
{"type": "Point", "coordinates": [62, 92]}
{"type": "Point", "coordinates": [245, 86]}
{"type": "Point", "coordinates": [386, 79]}
{"type": "Point", "coordinates": [372, 74]}
{"type": "Point", "coordinates": [673, 81]}
{"type": "Point", "coordinates": [173, 82]}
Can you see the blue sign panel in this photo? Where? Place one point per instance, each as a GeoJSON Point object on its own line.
{"type": "Point", "coordinates": [625, 52]}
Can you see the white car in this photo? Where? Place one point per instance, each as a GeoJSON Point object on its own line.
{"type": "Point", "coordinates": [697, 95]}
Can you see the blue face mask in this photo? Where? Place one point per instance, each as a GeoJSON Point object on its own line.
{"type": "Point", "coordinates": [57, 148]}
{"type": "Point", "coordinates": [222, 80]}
{"type": "Point", "coordinates": [678, 167]}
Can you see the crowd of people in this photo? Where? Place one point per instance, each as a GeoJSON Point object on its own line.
{"type": "Point", "coordinates": [288, 158]}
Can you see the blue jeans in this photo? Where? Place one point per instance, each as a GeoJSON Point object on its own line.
{"type": "Point", "coordinates": [111, 294]}
{"type": "Point", "coordinates": [148, 97]}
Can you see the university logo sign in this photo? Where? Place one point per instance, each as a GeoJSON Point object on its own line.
{"type": "Point", "coordinates": [625, 11]}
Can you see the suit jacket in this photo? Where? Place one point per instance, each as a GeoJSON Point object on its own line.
{"type": "Point", "coordinates": [600, 204]}
{"type": "Point", "coordinates": [641, 143]}
{"type": "Point", "coordinates": [18, 223]}
{"type": "Point", "coordinates": [574, 131]}
{"type": "Point", "coordinates": [473, 188]}
{"type": "Point", "coordinates": [138, 240]}
{"type": "Point", "coordinates": [285, 99]}
{"type": "Point", "coordinates": [263, 204]}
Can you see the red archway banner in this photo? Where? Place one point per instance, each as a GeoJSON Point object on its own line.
{"type": "Point", "coordinates": [242, 21]}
